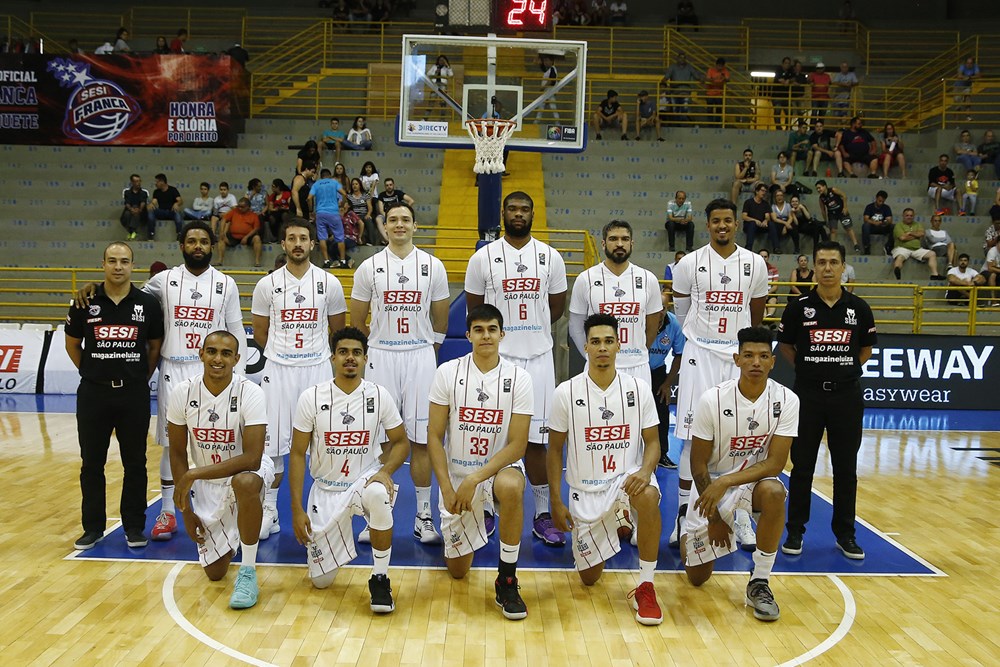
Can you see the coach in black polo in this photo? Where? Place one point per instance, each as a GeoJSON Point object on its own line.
{"type": "Point", "coordinates": [827, 335]}
{"type": "Point", "coordinates": [115, 342]}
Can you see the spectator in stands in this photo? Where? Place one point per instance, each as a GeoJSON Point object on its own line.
{"type": "Point", "coordinates": [782, 173]}
{"type": "Point", "coordinates": [308, 153]}
{"type": "Point", "coordinates": [799, 107]}
{"type": "Point", "coordinates": [820, 82]}
{"type": "Point", "coordinates": [104, 49]}
{"type": "Point", "coordinates": [801, 278]}
{"type": "Point", "coordinates": [646, 116]}
{"type": "Point", "coordinates": [619, 12]}
{"type": "Point", "coordinates": [550, 76]}
{"type": "Point", "coordinates": [941, 183]}
{"type": "Point", "coordinates": [970, 193]}
{"type": "Point", "coordinates": [599, 12]}
{"type": "Point", "coordinates": [773, 276]}
{"type": "Point", "coordinates": [255, 193]}
{"type": "Point", "coordinates": [757, 218]}
{"type": "Point", "coordinates": [716, 79]}
{"type": "Point", "coordinates": [848, 279]}
{"type": "Point", "coordinates": [439, 73]}
{"type": "Point", "coordinates": [679, 81]}
{"type": "Point", "coordinates": [177, 44]}
{"type": "Point", "coordinates": [359, 137]}
{"type": "Point", "coordinates": [668, 270]}
{"type": "Point", "coordinates": [962, 277]}
{"type": "Point", "coordinates": [135, 198]}
{"type": "Point", "coordinates": [680, 216]}
{"type": "Point", "coordinates": [798, 146]}
{"type": "Point", "coordinates": [610, 113]}
{"type": "Point", "coordinates": [821, 149]}
{"type": "Point", "coordinates": [744, 175]}
{"type": "Point", "coordinates": [807, 224]}
{"type": "Point", "coordinates": [370, 178]}
{"type": "Point", "coordinates": [167, 204]}
{"type": "Point", "coordinates": [340, 175]}
{"type": "Point", "coordinates": [995, 209]}
{"type": "Point", "coordinates": [161, 46]}
{"type": "Point", "coordinates": [222, 204]}
{"type": "Point", "coordinates": [381, 10]}
{"type": "Point", "coordinates": [877, 220]}
{"type": "Point", "coordinates": [844, 83]}
{"type": "Point", "coordinates": [781, 93]}
{"type": "Point", "coordinates": [992, 234]}
{"type": "Point", "coordinates": [361, 204]}
{"type": "Point", "coordinates": [333, 138]}
{"type": "Point", "coordinates": [324, 204]}
{"type": "Point", "coordinates": [992, 271]}
{"type": "Point", "coordinates": [891, 150]}
{"type": "Point", "coordinates": [939, 241]}
{"type": "Point", "coordinates": [966, 152]}
{"type": "Point", "coordinates": [240, 226]}
{"type": "Point", "coordinates": [201, 208]}
{"type": "Point", "coordinates": [239, 54]}
{"type": "Point", "coordinates": [686, 15]}
{"type": "Point", "coordinates": [301, 185]}
{"type": "Point", "coordinates": [908, 235]}
{"type": "Point", "coordinates": [121, 41]}
{"type": "Point", "coordinates": [354, 227]}
{"type": "Point", "coordinates": [967, 72]}
{"type": "Point", "coordinates": [279, 201]}
{"type": "Point", "coordinates": [359, 13]}
{"type": "Point", "coordinates": [382, 203]}
{"type": "Point", "coordinates": [858, 145]}
{"type": "Point", "coordinates": [989, 151]}
{"type": "Point", "coordinates": [73, 46]}
{"type": "Point", "coordinates": [784, 221]}
{"type": "Point", "coordinates": [833, 206]}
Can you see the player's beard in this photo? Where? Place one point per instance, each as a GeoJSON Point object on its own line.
{"type": "Point", "coordinates": [617, 259]}
{"type": "Point", "coordinates": [517, 232]}
{"type": "Point", "coordinates": [193, 262]}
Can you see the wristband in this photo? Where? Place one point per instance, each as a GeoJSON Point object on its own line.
{"type": "Point", "coordinates": [439, 338]}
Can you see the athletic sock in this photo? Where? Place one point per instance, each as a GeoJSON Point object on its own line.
{"type": "Point", "coordinates": [762, 564]}
{"type": "Point", "coordinates": [249, 554]}
{"type": "Point", "coordinates": [541, 493]}
{"type": "Point", "coordinates": [271, 498]}
{"type": "Point", "coordinates": [508, 559]}
{"type": "Point", "coordinates": [381, 558]}
{"type": "Point", "coordinates": [423, 501]}
{"type": "Point", "coordinates": [167, 491]}
{"type": "Point", "coordinates": [646, 569]}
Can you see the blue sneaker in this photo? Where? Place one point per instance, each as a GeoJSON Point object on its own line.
{"type": "Point", "coordinates": [245, 590]}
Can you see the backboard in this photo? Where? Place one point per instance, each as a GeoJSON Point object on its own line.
{"type": "Point", "coordinates": [538, 83]}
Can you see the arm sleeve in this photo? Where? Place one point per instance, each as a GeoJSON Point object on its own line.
{"type": "Point", "coordinates": [335, 301]}
{"type": "Point", "coordinates": [524, 396]}
{"type": "Point", "coordinates": [389, 416]}
{"type": "Point", "coordinates": [254, 408]}
{"type": "Point", "coordinates": [576, 332]}
{"type": "Point", "coordinates": [647, 405]}
{"type": "Point", "coordinates": [154, 285]}
{"type": "Point", "coordinates": [869, 337]}
{"type": "Point", "coordinates": [74, 322]}
{"type": "Point", "coordinates": [578, 299]}
{"type": "Point", "coordinates": [234, 324]}
{"type": "Point", "coordinates": [559, 416]}
{"type": "Point", "coordinates": [475, 280]}
{"type": "Point", "coordinates": [654, 304]}
{"type": "Point", "coordinates": [758, 284]}
{"type": "Point", "coordinates": [439, 281]}
{"type": "Point", "coordinates": [788, 422]}
{"type": "Point", "coordinates": [682, 278]}
{"type": "Point", "coordinates": [175, 408]}
{"type": "Point", "coordinates": [788, 328]}
{"type": "Point", "coordinates": [704, 424]}
{"type": "Point", "coordinates": [261, 304]}
{"type": "Point", "coordinates": [305, 412]}
{"type": "Point", "coordinates": [362, 288]}
{"type": "Point", "coordinates": [557, 274]}
{"type": "Point", "coordinates": [439, 392]}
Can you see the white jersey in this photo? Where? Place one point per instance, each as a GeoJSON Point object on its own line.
{"type": "Point", "coordinates": [299, 312]}
{"type": "Point", "coordinates": [215, 423]}
{"type": "Point", "coordinates": [720, 290]}
{"type": "Point", "coordinates": [401, 291]}
{"type": "Point", "coordinates": [603, 428]}
{"type": "Point", "coordinates": [518, 281]}
{"type": "Point", "coordinates": [741, 429]}
{"type": "Point", "coordinates": [193, 307]}
{"type": "Point", "coordinates": [481, 406]}
{"type": "Point", "coordinates": [630, 297]}
{"type": "Point", "coordinates": [344, 429]}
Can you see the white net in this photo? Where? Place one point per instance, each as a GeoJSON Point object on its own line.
{"type": "Point", "coordinates": [490, 136]}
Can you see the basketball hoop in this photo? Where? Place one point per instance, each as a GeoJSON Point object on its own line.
{"type": "Point", "coordinates": [490, 136]}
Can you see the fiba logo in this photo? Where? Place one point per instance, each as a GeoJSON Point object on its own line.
{"type": "Point", "coordinates": [97, 110]}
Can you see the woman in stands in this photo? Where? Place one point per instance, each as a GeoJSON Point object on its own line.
{"type": "Point", "coordinates": [340, 175]}
{"type": "Point", "coordinates": [309, 153]}
{"type": "Point", "coordinates": [161, 45]}
{"type": "Point", "coordinates": [276, 209]}
{"type": "Point", "coordinates": [359, 137]}
{"type": "Point", "coordinates": [803, 276]}
{"type": "Point", "coordinates": [121, 41]}
{"type": "Point", "coordinates": [440, 72]}
{"type": "Point", "coordinates": [361, 201]}
{"type": "Point", "coordinates": [891, 151]}
{"type": "Point", "coordinates": [370, 178]}
{"type": "Point", "coordinates": [807, 224]}
{"type": "Point", "coordinates": [787, 224]}
{"type": "Point", "coordinates": [255, 193]}
{"type": "Point", "coordinates": [782, 174]}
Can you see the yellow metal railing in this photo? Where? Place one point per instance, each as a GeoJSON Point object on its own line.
{"type": "Point", "coordinates": [202, 23]}
{"type": "Point", "coordinates": [89, 29]}
{"type": "Point", "coordinates": [15, 30]}
{"type": "Point", "coordinates": [805, 36]}
{"type": "Point", "coordinates": [883, 53]}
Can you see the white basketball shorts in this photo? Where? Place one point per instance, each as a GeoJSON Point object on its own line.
{"type": "Point", "coordinates": [543, 382]}
{"type": "Point", "coordinates": [465, 533]}
{"type": "Point", "coordinates": [407, 375]}
{"type": "Point", "coordinates": [701, 369]}
{"type": "Point", "coordinates": [699, 547]}
{"type": "Point", "coordinates": [282, 387]}
{"type": "Point", "coordinates": [172, 373]}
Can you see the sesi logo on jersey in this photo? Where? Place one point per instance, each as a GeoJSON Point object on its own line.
{"type": "Point", "coordinates": [821, 336]}
{"type": "Point", "coordinates": [299, 314]}
{"type": "Point", "coordinates": [522, 285]}
{"type": "Point", "coordinates": [397, 296]}
{"type": "Point", "coordinates": [346, 438]}
{"type": "Point", "coordinates": [116, 332]}
{"type": "Point", "coordinates": [607, 433]}
{"type": "Point", "coordinates": [618, 308]}
{"type": "Point", "coordinates": [194, 313]}
{"type": "Point", "coordinates": [226, 435]}
{"type": "Point", "coordinates": [745, 442]}
{"type": "Point", "coordinates": [728, 297]}
{"type": "Point", "coordinates": [480, 416]}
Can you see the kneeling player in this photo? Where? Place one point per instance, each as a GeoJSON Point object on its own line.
{"type": "Point", "coordinates": [337, 422]}
{"type": "Point", "coordinates": [484, 404]}
{"type": "Point", "coordinates": [741, 436]}
{"type": "Point", "coordinates": [219, 419]}
{"type": "Point", "coordinates": [601, 415]}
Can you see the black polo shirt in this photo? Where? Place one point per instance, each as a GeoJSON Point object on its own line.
{"type": "Point", "coordinates": [165, 199]}
{"type": "Point", "coordinates": [827, 340]}
{"type": "Point", "coordinates": [132, 198]}
{"type": "Point", "coordinates": [115, 335]}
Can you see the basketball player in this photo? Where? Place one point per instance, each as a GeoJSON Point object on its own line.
{"type": "Point", "coordinates": [740, 439]}
{"type": "Point", "coordinates": [338, 422]}
{"type": "Point", "coordinates": [718, 290]}
{"type": "Point", "coordinates": [607, 421]}
{"type": "Point", "coordinates": [216, 423]}
{"type": "Point", "coordinates": [293, 309]}
{"type": "Point", "coordinates": [196, 299]}
{"type": "Point", "coordinates": [526, 280]}
{"type": "Point", "coordinates": [406, 291]}
{"type": "Point", "coordinates": [483, 404]}
{"type": "Point", "coordinates": [629, 292]}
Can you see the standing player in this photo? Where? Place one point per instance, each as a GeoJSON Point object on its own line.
{"type": "Point", "coordinates": [525, 280]}
{"type": "Point", "coordinates": [609, 421]}
{"type": "Point", "coordinates": [216, 423]}
{"type": "Point", "coordinates": [629, 292]}
{"type": "Point", "coordinates": [741, 435]}
{"type": "Point", "coordinates": [483, 404]}
{"type": "Point", "coordinates": [293, 307]}
{"type": "Point", "coordinates": [406, 291]}
{"type": "Point", "coordinates": [718, 290]}
{"type": "Point", "coordinates": [338, 423]}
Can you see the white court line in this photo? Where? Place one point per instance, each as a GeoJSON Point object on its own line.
{"type": "Point", "coordinates": [850, 611]}
{"type": "Point", "coordinates": [188, 627]}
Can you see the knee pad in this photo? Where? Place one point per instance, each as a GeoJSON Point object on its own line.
{"type": "Point", "coordinates": [279, 464]}
{"type": "Point", "coordinates": [684, 465]}
{"type": "Point", "coordinates": [375, 500]}
{"type": "Point", "coordinates": [324, 580]}
{"type": "Point", "coordinates": [165, 472]}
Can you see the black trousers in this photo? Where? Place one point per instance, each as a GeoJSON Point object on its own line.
{"type": "Point", "coordinates": [885, 230]}
{"type": "Point", "coordinates": [688, 229]}
{"type": "Point", "coordinates": [658, 376]}
{"type": "Point", "coordinates": [101, 409]}
{"type": "Point", "coordinates": [839, 414]}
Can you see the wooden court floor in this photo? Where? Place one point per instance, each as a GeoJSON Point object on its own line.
{"type": "Point", "coordinates": [942, 503]}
